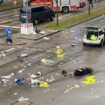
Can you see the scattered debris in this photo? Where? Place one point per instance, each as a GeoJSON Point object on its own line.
{"type": "Point", "coordinates": [16, 93]}
{"type": "Point", "coordinates": [77, 86]}
{"type": "Point", "coordinates": [45, 61]}
{"type": "Point", "coordinates": [89, 80]}
{"type": "Point", "coordinates": [59, 52]}
{"type": "Point", "coordinates": [43, 84]}
{"type": "Point", "coordinates": [33, 76]}
{"type": "Point", "coordinates": [29, 64]}
{"type": "Point", "coordinates": [20, 81]}
{"type": "Point", "coordinates": [73, 44]}
{"type": "Point", "coordinates": [8, 76]}
{"type": "Point", "coordinates": [57, 74]}
{"type": "Point", "coordinates": [34, 33]}
{"type": "Point", "coordinates": [2, 55]}
{"type": "Point", "coordinates": [46, 38]}
{"type": "Point", "coordinates": [51, 79]}
{"type": "Point", "coordinates": [42, 32]}
{"type": "Point", "coordinates": [23, 99]}
{"type": "Point", "coordinates": [38, 74]}
{"type": "Point", "coordinates": [83, 71]}
{"type": "Point", "coordinates": [23, 55]}
{"type": "Point", "coordinates": [64, 73]}
{"type": "Point", "coordinates": [20, 71]}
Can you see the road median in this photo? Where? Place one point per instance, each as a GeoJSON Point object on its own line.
{"type": "Point", "coordinates": [76, 19]}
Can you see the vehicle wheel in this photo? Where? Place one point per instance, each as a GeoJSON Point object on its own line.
{"type": "Point", "coordinates": [102, 43]}
{"type": "Point", "coordinates": [36, 21]}
{"type": "Point", "coordinates": [65, 9]}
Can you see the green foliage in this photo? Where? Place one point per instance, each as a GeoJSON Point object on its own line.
{"type": "Point", "coordinates": [76, 19]}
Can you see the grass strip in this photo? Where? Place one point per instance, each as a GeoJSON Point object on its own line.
{"type": "Point", "coordinates": [73, 20]}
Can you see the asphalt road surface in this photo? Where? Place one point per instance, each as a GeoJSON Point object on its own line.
{"type": "Point", "coordinates": [11, 18]}
{"type": "Point", "coordinates": [62, 90]}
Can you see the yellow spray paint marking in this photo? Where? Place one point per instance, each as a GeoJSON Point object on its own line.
{"type": "Point", "coordinates": [89, 80]}
{"type": "Point", "coordinates": [60, 56]}
{"type": "Point", "coordinates": [59, 53]}
{"type": "Point", "coordinates": [43, 84]}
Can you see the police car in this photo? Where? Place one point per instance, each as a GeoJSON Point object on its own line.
{"type": "Point", "coordinates": [94, 36]}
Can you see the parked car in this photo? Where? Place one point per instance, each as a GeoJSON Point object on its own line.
{"type": "Point", "coordinates": [94, 36]}
{"type": "Point", "coordinates": [36, 14]}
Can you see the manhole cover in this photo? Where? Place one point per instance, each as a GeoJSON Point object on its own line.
{"type": "Point", "coordinates": [22, 103]}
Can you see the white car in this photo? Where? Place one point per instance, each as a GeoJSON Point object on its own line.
{"type": "Point", "coordinates": [99, 36]}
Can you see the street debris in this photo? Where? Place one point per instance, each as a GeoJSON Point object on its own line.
{"type": "Point", "coordinates": [23, 99]}
{"type": "Point", "coordinates": [21, 70]}
{"type": "Point", "coordinates": [90, 80]}
{"type": "Point", "coordinates": [64, 73]}
{"type": "Point", "coordinates": [20, 81]}
{"type": "Point", "coordinates": [43, 84]}
{"type": "Point", "coordinates": [34, 33]}
{"type": "Point", "coordinates": [59, 52]}
{"type": "Point", "coordinates": [73, 44]}
{"type": "Point", "coordinates": [8, 76]}
{"type": "Point", "coordinates": [77, 86]}
{"type": "Point", "coordinates": [42, 32]}
{"type": "Point", "coordinates": [38, 74]}
{"type": "Point", "coordinates": [23, 55]}
{"type": "Point", "coordinates": [83, 71]}
{"type": "Point", "coordinates": [33, 76]}
{"type": "Point", "coordinates": [16, 93]}
{"type": "Point", "coordinates": [46, 38]}
{"type": "Point", "coordinates": [2, 55]}
{"type": "Point", "coordinates": [51, 79]}
{"type": "Point", "coordinates": [8, 40]}
{"type": "Point", "coordinates": [46, 61]}
{"type": "Point", "coordinates": [29, 64]}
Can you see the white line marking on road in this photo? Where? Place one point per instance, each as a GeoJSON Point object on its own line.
{"type": "Point", "coordinates": [10, 49]}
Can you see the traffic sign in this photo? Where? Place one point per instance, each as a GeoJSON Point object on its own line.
{"type": "Point", "coordinates": [8, 31]}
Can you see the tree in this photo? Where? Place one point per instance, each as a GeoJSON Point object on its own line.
{"type": "Point", "coordinates": [1, 1]}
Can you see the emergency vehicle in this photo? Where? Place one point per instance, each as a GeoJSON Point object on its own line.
{"type": "Point", "coordinates": [63, 5]}
{"type": "Point", "coordinates": [94, 36]}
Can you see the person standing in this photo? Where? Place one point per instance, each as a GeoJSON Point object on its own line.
{"type": "Point", "coordinates": [91, 2]}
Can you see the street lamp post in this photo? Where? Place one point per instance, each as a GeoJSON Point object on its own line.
{"type": "Point", "coordinates": [89, 7]}
{"type": "Point", "coordinates": [26, 11]}
{"type": "Point", "coordinates": [57, 13]}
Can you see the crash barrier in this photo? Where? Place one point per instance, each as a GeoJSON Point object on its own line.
{"type": "Point", "coordinates": [26, 28]}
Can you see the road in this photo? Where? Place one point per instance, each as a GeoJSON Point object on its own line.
{"type": "Point", "coordinates": [62, 90]}
{"type": "Point", "coordinates": [11, 18]}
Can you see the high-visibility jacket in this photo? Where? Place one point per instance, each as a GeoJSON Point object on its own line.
{"type": "Point", "coordinates": [93, 37]}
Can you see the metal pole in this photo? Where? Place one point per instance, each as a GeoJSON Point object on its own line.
{"type": "Point", "coordinates": [57, 13]}
{"type": "Point", "coordinates": [26, 11]}
{"type": "Point", "coordinates": [89, 7]}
